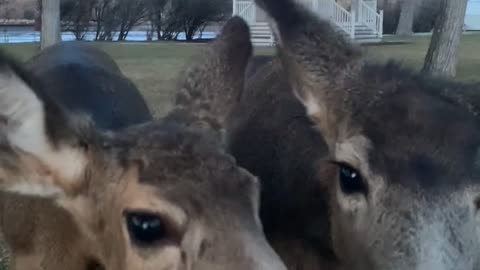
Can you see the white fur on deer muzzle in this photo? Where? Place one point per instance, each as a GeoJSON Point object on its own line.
{"type": "Point", "coordinates": [263, 256]}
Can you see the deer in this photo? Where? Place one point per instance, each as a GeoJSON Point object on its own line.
{"type": "Point", "coordinates": [82, 79]}
{"type": "Point", "coordinates": [363, 165]}
{"type": "Point", "coordinates": [158, 195]}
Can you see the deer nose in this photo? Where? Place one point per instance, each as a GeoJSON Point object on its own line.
{"type": "Point", "coordinates": [264, 257]}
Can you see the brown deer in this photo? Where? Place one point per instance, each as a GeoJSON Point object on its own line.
{"type": "Point", "coordinates": [362, 165]}
{"type": "Point", "coordinates": [160, 195]}
{"type": "Point", "coordinates": [82, 79]}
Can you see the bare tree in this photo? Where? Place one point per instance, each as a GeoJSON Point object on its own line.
{"type": "Point", "coordinates": [157, 14]}
{"type": "Point", "coordinates": [29, 14]}
{"type": "Point", "coordinates": [5, 9]}
{"type": "Point", "coordinates": [196, 14]}
{"type": "Point", "coordinates": [407, 15]}
{"type": "Point", "coordinates": [171, 23]}
{"type": "Point", "coordinates": [3, 6]}
{"type": "Point", "coordinates": [425, 16]}
{"type": "Point", "coordinates": [391, 9]}
{"type": "Point", "coordinates": [76, 16]}
{"type": "Point", "coordinates": [129, 13]}
{"type": "Point", "coordinates": [38, 17]}
{"type": "Point", "coordinates": [442, 55]}
{"type": "Point", "coordinates": [38, 6]}
{"type": "Point", "coordinates": [104, 15]}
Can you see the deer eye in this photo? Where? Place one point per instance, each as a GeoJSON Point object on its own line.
{"type": "Point", "coordinates": [350, 180]}
{"type": "Point", "coordinates": [146, 229]}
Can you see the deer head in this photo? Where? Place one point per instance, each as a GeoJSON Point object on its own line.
{"type": "Point", "coordinates": [156, 196]}
{"type": "Point", "coordinates": [405, 147]}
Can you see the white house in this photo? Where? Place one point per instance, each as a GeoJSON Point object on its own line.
{"type": "Point", "coordinates": [472, 16]}
{"type": "Point", "coordinates": [358, 19]}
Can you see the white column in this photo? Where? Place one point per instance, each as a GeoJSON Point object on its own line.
{"type": "Point", "coordinates": [352, 25]}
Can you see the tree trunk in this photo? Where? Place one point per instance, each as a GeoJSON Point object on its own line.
{"type": "Point", "coordinates": [50, 33]}
{"type": "Point", "coordinates": [159, 33]}
{"type": "Point", "coordinates": [442, 55]}
{"type": "Point", "coordinates": [97, 30]}
{"type": "Point", "coordinates": [407, 13]}
{"type": "Point", "coordinates": [150, 31]}
{"type": "Point", "coordinates": [202, 29]}
{"type": "Point", "coordinates": [121, 34]}
{"type": "Point", "coordinates": [189, 35]}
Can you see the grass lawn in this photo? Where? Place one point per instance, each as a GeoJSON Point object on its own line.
{"type": "Point", "coordinates": [154, 67]}
{"type": "Point", "coordinates": [413, 54]}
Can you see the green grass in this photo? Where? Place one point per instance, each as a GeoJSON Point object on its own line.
{"type": "Point", "coordinates": [413, 54]}
{"type": "Point", "coordinates": [154, 67]}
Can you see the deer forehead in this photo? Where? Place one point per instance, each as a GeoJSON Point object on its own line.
{"type": "Point", "coordinates": [417, 122]}
{"type": "Point", "coordinates": [353, 150]}
{"type": "Point", "coordinates": [193, 192]}
{"type": "Point", "coordinates": [177, 185]}
{"type": "Point", "coordinates": [425, 159]}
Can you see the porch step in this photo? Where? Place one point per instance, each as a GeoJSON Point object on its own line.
{"type": "Point", "coordinates": [328, 9]}
{"type": "Point", "coordinates": [261, 34]}
{"type": "Point", "coordinates": [365, 34]}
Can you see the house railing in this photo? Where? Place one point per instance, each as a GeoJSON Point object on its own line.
{"type": "Point", "coordinates": [365, 14]}
{"type": "Point", "coordinates": [329, 9]}
{"type": "Point", "coordinates": [245, 9]}
{"type": "Point", "coordinates": [370, 17]}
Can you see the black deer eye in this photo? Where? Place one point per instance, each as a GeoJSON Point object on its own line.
{"type": "Point", "coordinates": [350, 180]}
{"type": "Point", "coordinates": [146, 229]}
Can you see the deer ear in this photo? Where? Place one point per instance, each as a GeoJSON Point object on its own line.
{"type": "Point", "coordinates": [317, 58]}
{"type": "Point", "coordinates": [35, 133]}
{"type": "Point", "coordinates": [211, 87]}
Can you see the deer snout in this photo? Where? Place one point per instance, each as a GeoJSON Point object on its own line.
{"type": "Point", "coordinates": [262, 255]}
{"type": "Point", "coordinates": [442, 244]}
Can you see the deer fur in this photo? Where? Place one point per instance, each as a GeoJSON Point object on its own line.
{"type": "Point", "coordinates": [159, 195]}
{"type": "Point", "coordinates": [362, 165]}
